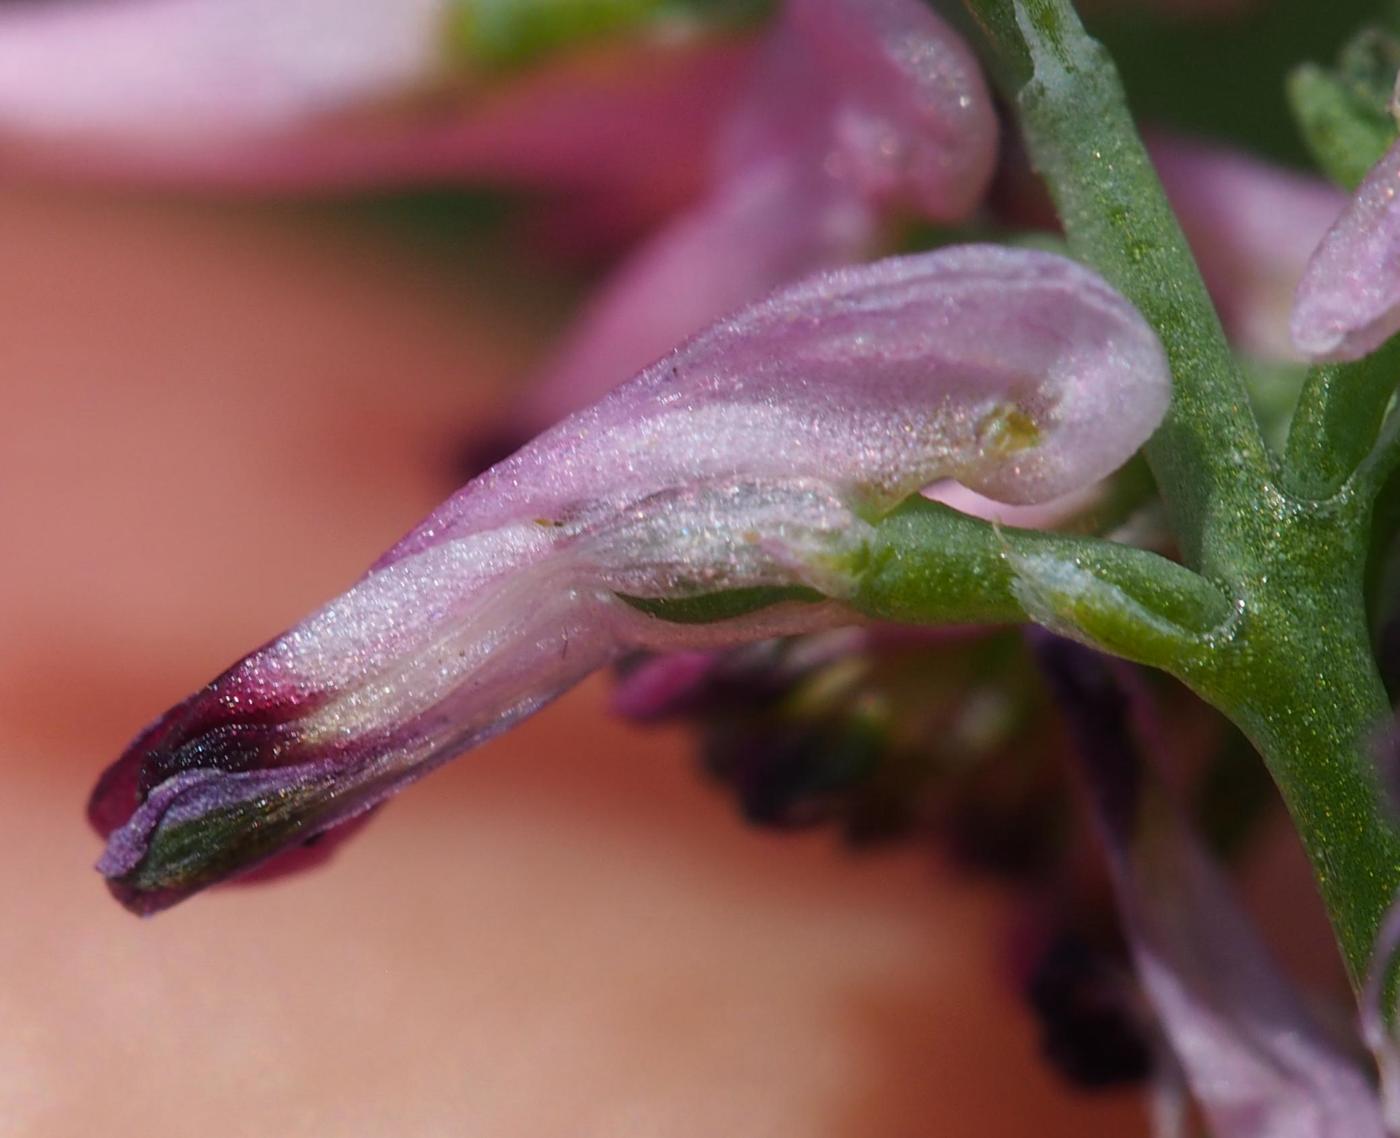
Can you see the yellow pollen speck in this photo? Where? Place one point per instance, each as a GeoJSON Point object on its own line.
{"type": "Point", "coordinates": [1006, 429]}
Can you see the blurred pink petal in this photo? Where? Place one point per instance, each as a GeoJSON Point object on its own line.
{"type": "Point", "coordinates": [1348, 302]}
{"type": "Point", "coordinates": [1254, 1057]}
{"type": "Point", "coordinates": [295, 94]}
{"type": "Point", "coordinates": [1252, 227]}
{"type": "Point", "coordinates": [748, 458]}
{"type": "Point", "coordinates": [853, 109]}
{"type": "Point", "coordinates": [170, 68]}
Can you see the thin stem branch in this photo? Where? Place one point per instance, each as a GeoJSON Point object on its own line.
{"type": "Point", "coordinates": [929, 564]}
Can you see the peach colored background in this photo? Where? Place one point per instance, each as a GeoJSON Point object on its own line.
{"type": "Point", "coordinates": [212, 420]}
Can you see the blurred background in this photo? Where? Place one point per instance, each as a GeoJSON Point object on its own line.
{"type": "Point", "coordinates": [217, 409]}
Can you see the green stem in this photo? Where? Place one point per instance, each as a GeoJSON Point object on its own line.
{"type": "Point", "coordinates": [1293, 668]}
{"type": "Point", "coordinates": [1208, 455]}
{"type": "Point", "coordinates": [1300, 680]}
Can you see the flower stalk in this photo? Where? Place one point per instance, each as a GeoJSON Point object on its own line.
{"type": "Point", "coordinates": [1288, 546]}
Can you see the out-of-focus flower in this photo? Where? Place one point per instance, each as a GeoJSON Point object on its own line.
{"type": "Point", "coordinates": [1252, 227]}
{"type": "Point", "coordinates": [1253, 1056]}
{"type": "Point", "coordinates": [750, 459]}
{"type": "Point", "coordinates": [1348, 302]}
{"type": "Point", "coordinates": [855, 109]}
{"type": "Point", "coordinates": [297, 94]}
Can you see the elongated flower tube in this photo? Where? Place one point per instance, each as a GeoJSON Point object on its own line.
{"type": "Point", "coordinates": [855, 108]}
{"type": "Point", "coordinates": [751, 458]}
{"type": "Point", "coordinates": [1348, 302]}
{"type": "Point", "coordinates": [1256, 1060]}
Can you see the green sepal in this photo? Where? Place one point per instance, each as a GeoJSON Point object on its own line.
{"type": "Point", "coordinates": [1344, 113]}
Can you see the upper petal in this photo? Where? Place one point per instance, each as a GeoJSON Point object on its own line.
{"type": "Point", "coordinates": [880, 94]}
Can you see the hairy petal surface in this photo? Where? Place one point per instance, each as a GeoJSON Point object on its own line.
{"type": "Point", "coordinates": [854, 108]}
{"type": "Point", "coordinates": [749, 460]}
{"type": "Point", "coordinates": [1348, 302]}
{"type": "Point", "coordinates": [1257, 1062]}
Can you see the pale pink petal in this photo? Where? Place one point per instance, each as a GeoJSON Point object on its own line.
{"type": "Point", "coordinates": [1348, 302]}
{"type": "Point", "coordinates": [745, 240]}
{"type": "Point", "coordinates": [881, 95]}
{"type": "Point", "coordinates": [1040, 515]}
{"type": "Point", "coordinates": [748, 459]}
{"type": "Point", "coordinates": [632, 121]}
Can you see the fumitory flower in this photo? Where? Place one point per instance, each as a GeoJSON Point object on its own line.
{"type": "Point", "coordinates": [747, 466]}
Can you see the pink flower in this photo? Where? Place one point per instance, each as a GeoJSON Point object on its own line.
{"type": "Point", "coordinates": [751, 459]}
